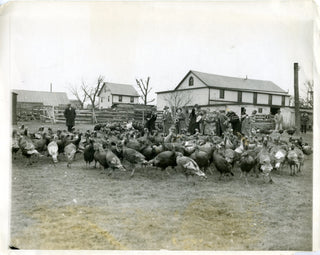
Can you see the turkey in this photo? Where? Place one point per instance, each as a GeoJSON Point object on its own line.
{"type": "Point", "coordinates": [295, 159]}
{"type": "Point", "coordinates": [132, 156]}
{"type": "Point", "coordinates": [189, 166]}
{"type": "Point", "coordinates": [291, 131]}
{"type": "Point", "coordinates": [41, 143]}
{"type": "Point", "coordinates": [247, 162]}
{"type": "Point", "coordinates": [113, 161]}
{"type": "Point", "coordinates": [189, 148]}
{"type": "Point", "coordinates": [88, 153]}
{"type": "Point", "coordinates": [202, 158]}
{"type": "Point", "coordinates": [15, 142]}
{"type": "Point", "coordinates": [264, 160]}
{"type": "Point", "coordinates": [164, 159]}
{"type": "Point", "coordinates": [53, 149]}
{"type": "Point", "coordinates": [70, 152]}
{"type": "Point", "coordinates": [221, 163]}
{"type": "Point", "coordinates": [307, 149]}
{"type": "Point", "coordinates": [27, 147]}
{"type": "Point", "coordinates": [100, 156]}
{"type": "Point", "coordinates": [278, 155]}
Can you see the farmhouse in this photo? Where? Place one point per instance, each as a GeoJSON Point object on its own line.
{"type": "Point", "coordinates": [112, 93]}
{"type": "Point", "coordinates": [222, 93]}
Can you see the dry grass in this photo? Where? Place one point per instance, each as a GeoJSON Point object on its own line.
{"type": "Point", "coordinates": [79, 208]}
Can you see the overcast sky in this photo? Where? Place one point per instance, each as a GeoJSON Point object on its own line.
{"type": "Point", "coordinates": [65, 42]}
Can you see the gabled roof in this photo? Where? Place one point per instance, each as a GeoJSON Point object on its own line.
{"type": "Point", "coordinates": [120, 89]}
{"type": "Point", "coordinates": [45, 97]}
{"type": "Point", "coordinates": [226, 82]}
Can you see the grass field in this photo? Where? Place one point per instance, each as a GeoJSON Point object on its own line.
{"type": "Point", "coordinates": [84, 208]}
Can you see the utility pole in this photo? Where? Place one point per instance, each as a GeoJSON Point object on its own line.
{"type": "Point", "coordinates": [296, 98]}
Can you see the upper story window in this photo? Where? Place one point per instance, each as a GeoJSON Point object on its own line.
{"type": "Point", "coordinates": [131, 99]}
{"type": "Point", "coordinates": [105, 89]}
{"type": "Point", "coordinates": [221, 93]}
{"type": "Point", "coordinates": [108, 98]}
{"type": "Point", "coordinates": [283, 101]}
{"type": "Point", "coordinates": [101, 99]}
{"type": "Point", "coordinates": [120, 98]}
{"type": "Point", "coordinates": [191, 81]}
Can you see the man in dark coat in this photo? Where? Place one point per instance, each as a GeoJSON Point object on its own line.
{"type": "Point", "coordinates": [235, 122]}
{"type": "Point", "coordinates": [151, 121]}
{"type": "Point", "coordinates": [70, 115]}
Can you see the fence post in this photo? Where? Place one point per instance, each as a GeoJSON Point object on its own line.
{"type": "Point", "coordinates": [53, 115]}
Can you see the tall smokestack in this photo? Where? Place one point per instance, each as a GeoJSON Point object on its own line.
{"type": "Point", "coordinates": [296, 97]}
{"type": "Point", "coordinates": [51, 87]}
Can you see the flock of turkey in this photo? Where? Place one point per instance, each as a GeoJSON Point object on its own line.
{"type": "Point", "coordinates": [122, 147]}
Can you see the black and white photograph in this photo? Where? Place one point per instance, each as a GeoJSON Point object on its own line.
{"type": "Point", "coordinates": [160, 125]}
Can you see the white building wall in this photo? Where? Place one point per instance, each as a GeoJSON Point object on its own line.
{"type": "Point", "coordinates": [229, 95]}
{"type": "Point", "coordinates": [276, 100]}
{"type": "Point", "coordinates": [103, 99]}
{"type": "Point", "coordinates": [196, 83]}
{"type": "Point", "coordinates": [197, 96]}
{"type": "Point", "coordinates": [125, 99]}
{"type": "Point", "coordinates": [247, 97]}
{"type": "Point", "coordinates": [214, 94]}
{"type": "Point", "coordinates": [262, 98]}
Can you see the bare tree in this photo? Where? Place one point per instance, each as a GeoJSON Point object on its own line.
{"type": "Point", "coordinates": [178, 99]}
{"type": "Point", "coordinates": [145, 90]}
{"type": "Point", "coordinates": [81, 98]}
{"type": "Point", "coordinates": [310, 85]}
{"type": "Point", "coordinates": [92, 93]}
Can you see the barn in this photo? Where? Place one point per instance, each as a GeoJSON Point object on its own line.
{"type": "Point", "coordinates": [115, 93]}
{"type": "Point", "coordinates": [29, 101]}
{"type": "Point", "coordinates": [224, 93]}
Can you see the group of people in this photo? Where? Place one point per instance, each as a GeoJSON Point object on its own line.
{"type": "Point", "coordinates": [201, 120]}
{"type": "Point", "coordinates": [207, 122]}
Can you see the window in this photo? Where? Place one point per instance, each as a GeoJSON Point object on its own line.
{"type": "Point", "coordinates": [131, 99]}
{"type": "Point", "coordinates": [283, 101]}
{"type": "Point", "coordinates": [120, 98]}
{"type": "Point", "coordinates": [255, 97]}
{"type": "Point", "coordinates": [221, 94]}
{"type": "Point", "coordinates": [101, 99]}
{"type": "Point", "coordinates": [105, 89]}
{"type": "Point", "coordinates": [259, 110]}
{"type": "Point", "coordinates": [191, 81]}
{"type": "Point", "coordinates": [239, 96]}
{"type": "Point", "coordinates": [270, 100]}
{"type": "Point", "coordinates": [108, 98]}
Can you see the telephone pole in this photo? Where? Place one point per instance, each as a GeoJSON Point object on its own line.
{"type": "Point", "coordinates": [296, 98]}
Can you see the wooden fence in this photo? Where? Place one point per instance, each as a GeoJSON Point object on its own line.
{"type": "Point", "coordinates": [119, 113]}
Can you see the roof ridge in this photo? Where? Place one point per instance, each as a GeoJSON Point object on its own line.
{"type": "Point", "coordinates": [229, 76]}
{"type": "Point", "coordinates": [38, 91]}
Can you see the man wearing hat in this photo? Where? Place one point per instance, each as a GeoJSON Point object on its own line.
{"type": "Point", "coordinates": [70, 115]}
{"type": "Point", "coordinates": [167, 120]}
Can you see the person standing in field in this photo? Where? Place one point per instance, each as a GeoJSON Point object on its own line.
{"type": "Point", "coordinates": [167, 120]}
{"type": "Point", "coordinates": [278, 118]}
{"type": "Point", "coordinates": [151, 121]}
{"type": "Point", "coordinates": [180, 120]}
{"type": "Point", "coordinates": [192, 122]}
{"type": "Point", "coordinates": [70, 115]}
{"type": "Point", "coordinates": [304, 122]}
